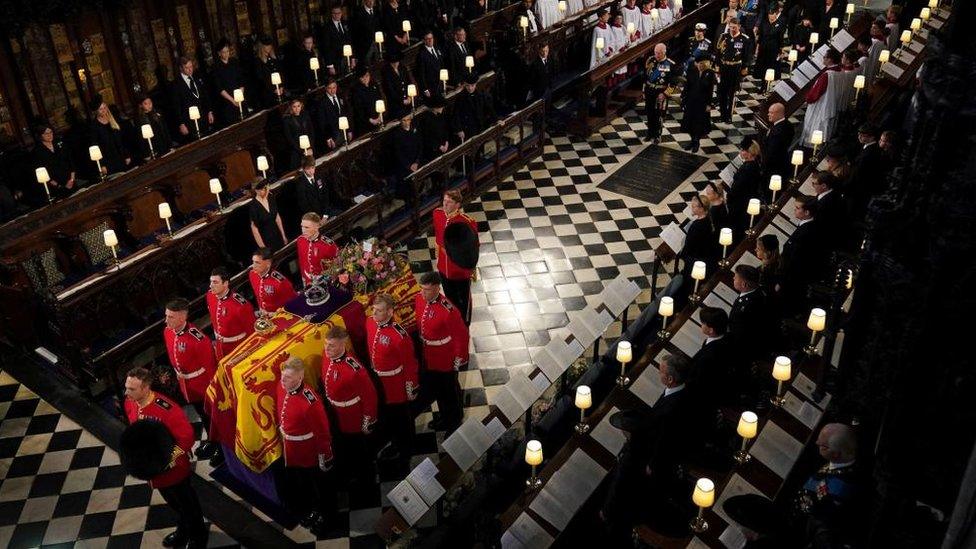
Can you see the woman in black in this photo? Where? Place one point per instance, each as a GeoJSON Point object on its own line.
{"type": "Point", "coordinates": [770, 271]}
{"type": "Point", "coordinates": [54, 156]}
{"type": "Point", "coordinates": [701, 242]}
{"type": "Point", "coordinates": [297, 123]}
{"type": "Point", "coordinates": [696, 100]}
{"type": "Point", "coordinates": [266, 224]}
{"type": "Point", "coordinates": [162, 143]}
{"type": "Point", "coordinates": [718, 211]}
{"type": "Point", "coordinates": [265, 65]}
{"type": "Point", "coordinates": [106, 133]}
{"type": "Point", "coordinates": [227, 78]}
{"type": "Point", "coordinates": [395, 80]}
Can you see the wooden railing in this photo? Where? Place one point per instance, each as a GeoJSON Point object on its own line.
{"type": "Point", "coordinates": [378, 215]}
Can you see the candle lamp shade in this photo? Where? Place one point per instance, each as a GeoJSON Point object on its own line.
{"type": "Point", "coordinates": [469, 62]}
{"type": "Point", "coordinates": [797, 158]}
{"type": "Point", "coordinates": [770, 75]}
{"type": "Point", "coordinates": [666, 307]}
{"type": "Point", "coordinates": [925, 14]}
{"type": "Point", "coordinates": [239, 95]}
{"type": "Point", "coordinates": [533, 453]}
{"type": "Point", "coordinates": [378, 37]}
{"type": "Point", "coordinates": [276, 79]}
{"type": "Point", "coordinates": [584, 397]}
{"type": "Point", "coordinates": [834, 23]}
{"type": "Point", "coordinates": [625, 351]}
{"type": "Point", "coordinates": [631, 28]}
{"type": "Point", "coordinates": [850, 9]}
{"type": "Point", "coordinates": [304, 143]}
{"type": "Point", "coordinates": [933, 4]}
{"type": "Point", "coordinates": [704, 494]}
{"type": "Point", "coordinates": [147, 131]}
{"type": "Point", "coordinates": [725, 236]}
{"type": "Point", "coordinates": [523, 22]}
{"type": "Point", "coordinates": [906, 37]}
{"type": "Point", "coordinates": [817, 320]}
{"type": "Point", "coordinates": [215, 186]}
{"type": "Point", "coordinates": [343, 123]}
{"type": "Point", "coordinates": [655, 15]}
{"type": "Point", "coordinates": [814, 38]}
{"type": "Point", "coordinates": [754, 206]}
{"type": "Point", "coordinates": [346, 50]}
{"type": "Point", "coordinates": [164, 210]}
{"type": "Point", "coordinates": [884, 56]}
{"type": "Point", "coordinates": [782, 368]}
{"type": "Point", "coordinates": [816, 138]}
{"type": "Point", "coordinates": [748, 425]}
{"type": "Point", "coordinates": [599, 43]}
{"type": "Point", "coordinates": [775, 183]}
{"type": "Point", "coordinates": [262, 162]}
{"type": "Point", "coordinates": [916, 24]}
{"type": "Point", "coordinates": [313, 63]}
{"type": "Point", "coordinates": [194, 113]}
{"type": "Point", "coordinates": [562, 6]}
{"type": "Point", "coordinates": [411, 90]}
{"type": "Point", "coordinates": [407, 27]}
{"type": "Point", "coordinates": [110, 238]}
{"type": "Point", "coordinates": [42, 175]}
{"type": "Point", "coordinates": [95, 153]}
{"type": "Point", "coordinates": [859, 82]}
{"type": "Point", "coordinates": [698, 270]}
{"type": "Point", "coordinates": [792, 56]}
{"type": "Point", "coordinates": [380, 106]}
{"type": "Point", "coordinates": [444, 75]}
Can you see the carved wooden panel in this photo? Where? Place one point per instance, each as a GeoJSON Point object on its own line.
{"type": "Point", "coordinates": [193, 192]}
{"type": "Point", "coordinates": [143, 219]}
{"type": "Point", "coordinates": [243, 18]}
{"type": "Point", "coordinates": [186, 30]}
{"type": "Point", "coordinates": [241, 170]}
{"type": "Point", "coordinates": [163, 51]}
{"type": "Point", "coordinates": [47, 73]}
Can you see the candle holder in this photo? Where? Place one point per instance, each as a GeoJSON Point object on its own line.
{"type": "Point", "coordinates": [725, 239]}
{"type": "Point", "coordinates": [665, 309]}
{"type": "Point", "coordinates": [782, 371]}
{"type": "Point", "coordinates": [816, 323]}
{"type": "Point", "coordinates": [584, 399]}
{"type": "Point", "coordinates": [703, 497]}
{"type": "Point", "coordinates": [624, 355]}
{"type": "Point", "coordinates": [533, 456]}
{"type": "Point", "coordinates": [698, 274]}
{"type": "Point", "coordinates": [753, 210]}
{"type": "Point", "coordinates": [746, 429]}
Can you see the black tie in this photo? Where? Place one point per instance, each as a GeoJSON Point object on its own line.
{"type": "Point", "coordinates": [335, 103]}
{"type": "Point", "coordinates": [464, 51]}
{"type": "Point", "coordinates": [193, 88]}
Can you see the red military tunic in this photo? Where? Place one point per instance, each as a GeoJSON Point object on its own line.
{"type": "Point", "coordinates": [232, 318]}
{"type": "Point", "coordinates": [272, 290]}
{"type": "Point", "coordinates": [311, 254]}
{"type": "Point", "coordinates": [303, 426]}
{"type": "Point", "coordinates": [391, 354]}
{"type": "Point", "coordinates": [350, 392]}
{"type": "Point", "coordinates": [445, 266]}
{"type": "Point", "coordinates": [192, 356]}
{"type": "Point", "coordinates": [166, 411]}
{"type": "Point", "coordinates": [442, 332]}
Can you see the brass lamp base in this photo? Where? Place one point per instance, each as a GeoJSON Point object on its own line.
{"type": "Point", "coordinates": [742, 457]}
{"type": "Point", "coordinates": [533, 482]}
{"type": "Point", "coordinates": [622, 381]}
{"type": "Point", "coordinates": [777, 400]}
{"type": "Point", "coordinates": [811, 350]}
{"type": "Point", "coordinates": [695, 298]}
{"type": "Point", "coordinates": [663, 334]}
{"type": "Point", "coordinates": [752, 232]}
{"type": "Point", "coordinates": [724, 263]}
{"type": "Point", "coordinates": [698, 525]}
{"type": "Point", "coordinates": [582, 428]}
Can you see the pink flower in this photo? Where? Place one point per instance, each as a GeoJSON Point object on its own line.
{"type": "Point", "coordinates": [362, 262]}
{"type": "Point", "coordinates": [368, 255]}
{"type": "Point", "coordinates": [344, 278]}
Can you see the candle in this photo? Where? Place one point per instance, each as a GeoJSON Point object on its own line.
{"type": "Point", "coordinates": [343, 123]}
{"type": "Point", "coordinates": [797, 161]}
{"type": "Point", "coordinates": [194, 112]}
{"type": "Point", "coordinates": [584, 399]}
{"type": "Point", "coordinates": [304, 143]}
{"type": "Point", "coordinates": [562, 6]}
{"type": "Point", "coordinates": [817, 319]}
{"type": "Point", "coordinates": [164, 210]}
{"type": "Point", "coordinates": [469, 62]}
{"type": "Point", "coordinates": [239, 96]}
{"type": "Point", "coordinates": [533, 453]}
{"type": "Point", "coordinates": [748, 424]}
{"type": "Point", "coordinates": [933, 4]}
{"type": "Point", "coordinates": [834, 24]}
{"type": "Point", "coordinates": [313, 63]}
{"type": "Point", "coordinates": [599, 44]}
{"type": "Point", "coordinates": [630, 29]}
{"type": "Point", "coordinates": [704, 494]}
{"type": "Point", "coordinates": [215, 189]}
{"type": "Point", "coordinates": [814, 38]}
{"type": "Point", "coordinates": [147, 132]}
{"type": "Point", "coordinates": [849, 10]}
{"type": "Point", "coordinates": [380, 109]}
{"type": "Point", "coordinates": [925, 14]}
{"type": "Point", "coordinates": [407, 28]}
{"type": "Point", "coordinates": [753, 207]}
{"type": "Point", "coordinates": [916, 24]}
{"type": "Point", "coordinates": [725, 236]}
{"type": "Point", "coordinates": [655, 15]}
{"type": "Point", "coordinates": [884, 56]}
{"type": "Point", "coordinates": [263, 166]}
{"type": "Point", "coordinates": [625, 353]}
{"type": "Point", "coordinates": [95, 153]}
{"type": "Point", "coordinates": [411, 90]}
{"type": "Point", "coordinates": [698, 270]}
{"type": "Point", "coordinates": [523, 22]}
{"type": "Point", "coordinates": [42, 175]}
{"type": "Point", "coordinates": [859, 82]}
{"type": "Point", "coordinates": [378, 37]}
{"type": "Point", "coordinates": [347, 51]}
{"type": "Point", "coordinates": [906, 37]}
{"type": "Point", "coordinates": [276, 79]}
{"type": "Point", "coordinates": [782, 369]}
{"type": "Point", "coordinates": [111, 240]}
{"type": "Point", "coordinates": [443, 77]}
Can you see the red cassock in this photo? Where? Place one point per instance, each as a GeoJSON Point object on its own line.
{"type": "Point", "coordinates": [166, 411]}
{"type": "Point", "coordinates": [311, 254]}
{"type": "Point", "coordinates": [273, 290]}
{"type": "Point", "coordinates": [350, 392]}
{"type": "Point", "coordinates": [192, 356]}
{"type": "Point", "coordinates": [443, 333]}
{"type": "Point", "coordinates": [304, 427]}
{"type": "Point", "coordinates": [232, 318]}
{"type": "Point", "coordinates": [391, 354]}
{"type": "Point", "coordinates": [445, 266]}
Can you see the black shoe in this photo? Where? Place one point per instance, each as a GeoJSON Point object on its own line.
{"type": "Point", "coordinates": [647, 137]}
{"type": "Point", "coordinates": [310, 520]}
{"type": "Point", "coordinates": [206, 450]}
{"type": "Point", "coordinates": [436, 425]}
{"type": "Point", "coordinates": [218, 459]}
{"type": "Point", "coordinates": [175, 539]}
{"type": "Point", "coordinates": [389, 453]}
{"type": "Point", "coordinates": [657, 141]}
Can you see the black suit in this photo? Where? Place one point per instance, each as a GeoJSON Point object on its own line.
{"type": "Point", "coordinates": [435, 130]}
{"type": "Point", "coordinates": [364, 107]}
{"type": "Point", "coordinates": [183, 96]}
{"type": "Point", "coordinates": [805, 257]}
{"type": "Point", "coordinates": [456, 71]}
{"type": "Point", "coordinates": [474, 112]}
{"type": "Point", "coordinates": [429, 67]}
{"type": "Point", "coordinates": [333, 39]}
{"type": "Point", "coordinates": [329, 112]}
{"type": "Point", "coordinates": [701, 244]}
{"type": "Point", "coordinates": [776, 149]}
{"type": "Point", "coordinates": [749, 325]}
{"type": "Point", "coordinates": [395, 89]}
{"type": "Point", "coordinates": [832, 217]}
{"type": "Point", "coordinates": [540, 78]}
{"type": "Point", "coordinates": [296, 126]}
{"type": "Point", "coordinates": [407, 150]}
{"type": "Point", "coordinates": [712, 373]}
{"type": "Point", "coordinates": [867, 180]}
{"type": "Point", "coordinates": [746, 184]}
{"type": "Point", "coordinates": [265, 89]}
{"type": "Point", "coordinates": [315, 196]}
{"type": "Point", "coordinates": [364, 27]}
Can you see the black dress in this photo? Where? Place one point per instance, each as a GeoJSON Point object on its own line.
{"type": "Point", "coordinates": [161, 141]}
{"type": "Point", "coordinates": [59, 167]}
{"type": "Point", "coordinates": [695, 99]}
{"type": "Point", "coordinates": [266, 90]}
{"type": "Point", "coordinates": [267, 223]}
{"type": "Point", "coordinates": [295, 127]}
{"type": "Point", "coordinates": [110, 143]}
{"type": "Point", "coordinates": [227, 77]}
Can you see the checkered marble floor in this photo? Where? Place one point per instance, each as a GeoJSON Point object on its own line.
{"type": "Point", "coordinates": [549, 237]}
{"type": "Point", "coordinates": [62, 487]}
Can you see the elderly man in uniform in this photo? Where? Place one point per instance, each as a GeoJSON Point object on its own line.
{"type": "Point", "coordinates": [307, 445]}
{"type": "Point", "coordinates": [271, 288]}
{"type": "Point", "coordinates": [191, 354]}
{"type": "Point", "coordinates": [734, 52]}
{"type": "Point", "coordinates": [391, 354]}
{"type": "Point", "coordinates": [444, 337]}
{"type": "Point", "coordinates": [231, 315]}
{"type": "Point", "coordinates": [658, 87]}
{"type": "Point", "coordinates": [829, 498]}
{"type": "Point", "coordinates": [314, 249]}
{"type": "Point", "coordinates": [456, 278]}
{"type": "Point", "coordinates": [141, 402]}
{"type": "Point", "coordinates": [352, 396]}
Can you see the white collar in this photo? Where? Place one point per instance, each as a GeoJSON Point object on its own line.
{"type": "Point", "coordinates": [711, 339]}
{"type": "Point", "coordinates": [823, 194]}
{"type": "Point", "coordinates": [747, 292]}
{"type": "Point", "coordinates": [866, 145]}
{"type": "Point", "coordinates": [833, 465]}
{"type": "Point", "coordinates": [802, 221]}
{"type": "Point", "coordinates": [672, 390]}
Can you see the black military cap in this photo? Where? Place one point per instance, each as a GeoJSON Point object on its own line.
{"type": "Point", "coordinates": [471, 79]}
{"type": "Point", "coordinates": [630, 420]}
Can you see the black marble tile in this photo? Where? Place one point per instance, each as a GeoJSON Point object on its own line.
{"type": "Point", "coordinates": [8, 447]}
{"type": "Point", "coordinates": [580, 262]}
{"type": "Point", "coordinates": [576, 208]}
{"type": "Point", "coordinates": [109, 477]}
{"type": "Point", "coordinates": [135, 495]}
{"type": "Point", "coordinates": [70, 505]}
{"type": "Point", "coordinates": [65, 440]}
{"type": "Point", "coordinates": [125, 541]}
{"type": "Point", "coordinates": [27, 535]}
{"type": "Point", "coordinates": [23, 466]}
{"type": "Point", "coordinates": [22, 408]}
{"type": "Point", "coordinates": [591, 288]}
{"type": "Point", "coordinates": [601, 216]}
{"type": "Point", "coordinates": [100, 525]}
{"type": "Point", "coordinates": [43, 424]}
{"type": "Point", "coordinates": [87, 457]}
{"type": "Point", "coordinates": [10, 512]}
{"type": "Point", "coordinates": [570, 240]}
{"type": "Point", "coordinates": [48, 484]}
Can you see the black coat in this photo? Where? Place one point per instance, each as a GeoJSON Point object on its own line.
{"type": "Point", "coordinates": [59, 167]}
{"type": "Point", "coordinates": [329, 115]}
{"type": "Point", "coordinates": [746, 184]}
{"type": "Point", "coordinates": [364, 27]}
{"type": "Point", "coordinates": [475, 112]}
{"type": "Point", "coordinates": [867, 180]}
{"type": "Point", "coordinates": [110, 142]}
{"type": "Point", "coordinates": [407, 150]}
{"type": "Point", "coordinates": [696, 98]}
{"type": "Point", "coordinates": [333, 40]}
{"type": "Point", "coordinates": [713, 371]}
{"type": "Point", "coordinates": [364, 107]}
{"type": "Point", "coordinates": [805, 260]}
{"type": "Point", "coordinates": [456, 71]}
{"type": "Point", "coordinates": [540, 78]}
{"type": "Point", "coordinates": [183, 97]}
{"type": "Point", "coordinates": [395, 90]}
{"type": "Point", "coordinates": [435, 130]}
{"type": "Point", "coordinates": [315, 196]}
{"type": "Point", "coordinates": [701, 244]}
{"type": "Point", "coordinates": [294, 127]}
{"type": "Point", "coordinates": [776, 149]}
{"type": "Point", "coordinates": [750, 325]}
{"type": "Point", "coordinates": [429, 70]}
{"type": "Point", "coordinates": [832, 217]}
{"type": "Point", "coordinates": [227, 77]}
{"type": "Point", "coordinates": [162, 142]}
{"type": "Point", "coordinates": [770, 41]}
{"type": "Point", "coordinates": [262, 74]}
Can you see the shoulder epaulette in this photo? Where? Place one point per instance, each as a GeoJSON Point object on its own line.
{"type": "Point", "coordinates": [195, 333]}
{"type": "Point", "coordinates": [277, 276]}
{"type": "Point", "coordinates": [239, 298]}
{"type": "Point", "coordinates": [400, 330]}
{"type": "Point", "coordinates": [446, 303]}
{"type": "Point", "coordinates": [309, 394]}
{"type": "Point", "coordinates": [163, 403]}
{"type": "Point", "coordinates": [352, 362]}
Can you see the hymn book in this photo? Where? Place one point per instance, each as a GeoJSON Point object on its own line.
{"type": "Point", "coordinates": [841, 40]}
{"type": "Point", "coordinates": [525, 533]}
{"type": "Point", "coordinates": [776, 449]}
{"type": "Point", "coordinates": [805, 386]}
{"type": "Point", "coordinates": [689, 339]}
{"type": "Point", "coordinates": [737, 486]}
{"type": "Point", "coordinates": [648, 386]}
{"type": "Point", "coordinates": [803, 411]}
{"type": "Point", "coordinates": [408, 502]}
{"type": "Point", "coordinates": [607, 435]}
{"type": "Point", "coordinates": [467, 443]}
{"type": "Point", "coordinates": [784, 90]}
{"type": "Point", "coordinates": [674, 237]}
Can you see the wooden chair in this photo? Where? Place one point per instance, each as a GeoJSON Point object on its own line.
{"type": "Point", "coordinates": [143, 219]}
{"type": "Point", "coordinates": [193, 192]}
{"type": "Point", "coordinates": [240, 170]}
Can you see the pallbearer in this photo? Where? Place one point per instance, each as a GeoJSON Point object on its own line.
{"type": "Point", "coordinates": [456, 235]}
{"type": "Point", "coordinates": [445, 350]}
{"type": "Point", "coordinates": [191, 354]}
{"type": "Point", "coordinates": [231, 315]}
{"type": "Point", "coordinates": [395, 364]}
{"type": "Point", "coordinates": [313, 248]}
{"type": "Point", "coordinates": [307, 445]}
{"type": "Point", "coordinates": [271, 288]}
{"type": "Point", "coordinates": [352, 397]}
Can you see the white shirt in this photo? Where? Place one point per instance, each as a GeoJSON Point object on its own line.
{"type": "Point", "coordinates": [675, 389]}
{"type": "Point", "coordinates": [747, 292]}
{"type": "Point", "coordinates": [823, 194]}
{"type": "Point", "coordinates": [833, 465]}
{"type": "Point", "coordinates": [802, 221]}
{"type": "Point", "coordinates": [711, 339]}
